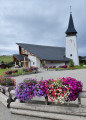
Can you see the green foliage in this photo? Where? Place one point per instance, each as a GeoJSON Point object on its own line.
{"type": "Point", "coordinates": [6, 59]}
{"type": "Point", "coordinates": [2, 62]}
{"type": "Point", "coordinates": [71, 63]}
{"type": "Point", "coordinates": [82, 60]}
{"type": "Point", "coordinates": [80, 67]}
{"type": "Point", "coordinates": [10, 64]}
{"type": "Point", "coordinates": [43, 63]}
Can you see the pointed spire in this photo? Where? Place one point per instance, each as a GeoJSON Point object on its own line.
{"type": "Point", "coordinates": [71, 28]}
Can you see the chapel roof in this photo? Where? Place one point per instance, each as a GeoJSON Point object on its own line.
{"type": "Point", "coordinates": [46, 52]}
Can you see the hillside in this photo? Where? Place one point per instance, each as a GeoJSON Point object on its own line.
{"type": "Point", "coordinates": [6, 59]}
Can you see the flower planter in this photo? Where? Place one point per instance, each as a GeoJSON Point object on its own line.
{"type": "Point", "coordinates": [46, 100]}
{"type": "Point", "coordinates": [5, 89]}
{"type": "Point", "coordinates": [57, 90]}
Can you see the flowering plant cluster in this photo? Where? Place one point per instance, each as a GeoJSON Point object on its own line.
{"type": "Point", "coordinates": [63, 66]}
{"type": "Point", "coordinates": [26, 90]}
{"type": "Point", "coordinates": [7, 81]}
{"type": "Point", "coordinates": [57, 91]}
{"type": "Point", "coordinates": [42, 87]}
{"type": "Point", "coordinates": [32, 68]}
{"type": "Point", "coordinates": [10, 72]}
{"type": "Point", "coordinates": [50, 67]}
{"type": "Point", "coordinates": [60, 90]}
{"type": "Point", "coordinates": [74, 86]}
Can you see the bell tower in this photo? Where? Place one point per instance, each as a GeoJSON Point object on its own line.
{"type": "Point", "coordinates": [71, 42]}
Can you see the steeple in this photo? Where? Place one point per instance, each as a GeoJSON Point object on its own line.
{"type": "Point", "coordinates": [71, 42]}
{"type": "Point", "coordinates": [71, 29]}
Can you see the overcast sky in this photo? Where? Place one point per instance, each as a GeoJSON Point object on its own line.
{"type": "Point", "coordinates": [42, 22]}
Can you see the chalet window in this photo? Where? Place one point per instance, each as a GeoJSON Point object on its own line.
{"type": "Point", "coordinates": [23, 50]}
{"type": "Point", "coordinates": [28, 52]}
{"type": "Point", "coordinates": [33, 63]}
{"type": "Point", "coordinates": [71, 55]}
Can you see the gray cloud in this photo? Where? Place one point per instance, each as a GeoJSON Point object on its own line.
{"type": "Point", "coordinates": [39, 22]}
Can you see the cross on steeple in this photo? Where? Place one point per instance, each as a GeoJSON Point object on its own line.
{"type": "Point", "coordinates": [71, 28]}
{"type": "Point", "coordinates": [70, 9]}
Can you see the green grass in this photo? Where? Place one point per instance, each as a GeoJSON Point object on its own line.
{"type": "Point", "coordinates": [60, 68]}
{"type": "Point", "coordinates": [79, 67]}
{"type": "Point", "coordinates": [75, 67]}
{"type": "Point", "coordinates": [20, 71]}
{"type": "Point", "coordinates": [2, 71]}
{"type": "Point", "coordinates": [6, 59]}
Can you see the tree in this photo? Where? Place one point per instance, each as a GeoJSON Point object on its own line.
{"type": "Point", "coordinates": [2, 62]}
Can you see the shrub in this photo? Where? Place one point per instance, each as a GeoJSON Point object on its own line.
{"type": "Point", "coordinates": [43, 64]}
{"type": "Point", "coordinates": [71, 63]}
{"type": "Point", "coordinates": [10, 64]}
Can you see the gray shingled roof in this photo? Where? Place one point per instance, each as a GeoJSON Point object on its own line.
{"type": "Point", "coordinates": [71, 28]}
{"type": "Point", "coordinates": [46, 52]}
{"type": "Point", "coordinates": [20, 57]}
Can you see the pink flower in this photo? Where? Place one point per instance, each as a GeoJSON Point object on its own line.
{"type": "Point", "coordinates": [32, 96]}
{"type": "Point", "coordinates": [54, 80]}
{"type": "Point", "coordinates": [29, 93]}
{"type": "Point", "coordinates": [23, 98]}
{"type": "Point", "coordinates": [29, 84]}
{"type": "Point", "coordinates": [51, 99]}
{"type": "Point", "coordinates": [62, 95]}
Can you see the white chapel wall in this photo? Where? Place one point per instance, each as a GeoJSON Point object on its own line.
{"type": "Point", "coordinates": [71, 49]}
{"type": "Point", "coordinates": [34, 61]}
{"type": "Point", "coordinates": [57, 64]}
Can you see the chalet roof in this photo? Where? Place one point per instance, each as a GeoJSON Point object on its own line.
{"type": "Point", "coordinates": [71, 28]}
{"type": "Point", "coordinates": [46, 52]}
{"type": "Point", "coordinates": [20, 57]}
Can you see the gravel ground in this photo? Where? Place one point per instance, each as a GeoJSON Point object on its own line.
{"type": "Point", "coordinates": [79, 74]}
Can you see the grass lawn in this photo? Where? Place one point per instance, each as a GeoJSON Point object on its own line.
{"type": "Point", "coordinates": [6, 59]}
{"type": "Point", "coordinates": [79, 67]}
{"type": "Point", "coordinates": [2, 71]}
{"type": "Point", "coordinates": [20, 71]}
{"type": "Point", "coordinates": [75, 67]}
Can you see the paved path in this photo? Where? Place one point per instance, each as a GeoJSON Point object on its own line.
{"type": "Point", "coordinates": [6, 115]}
